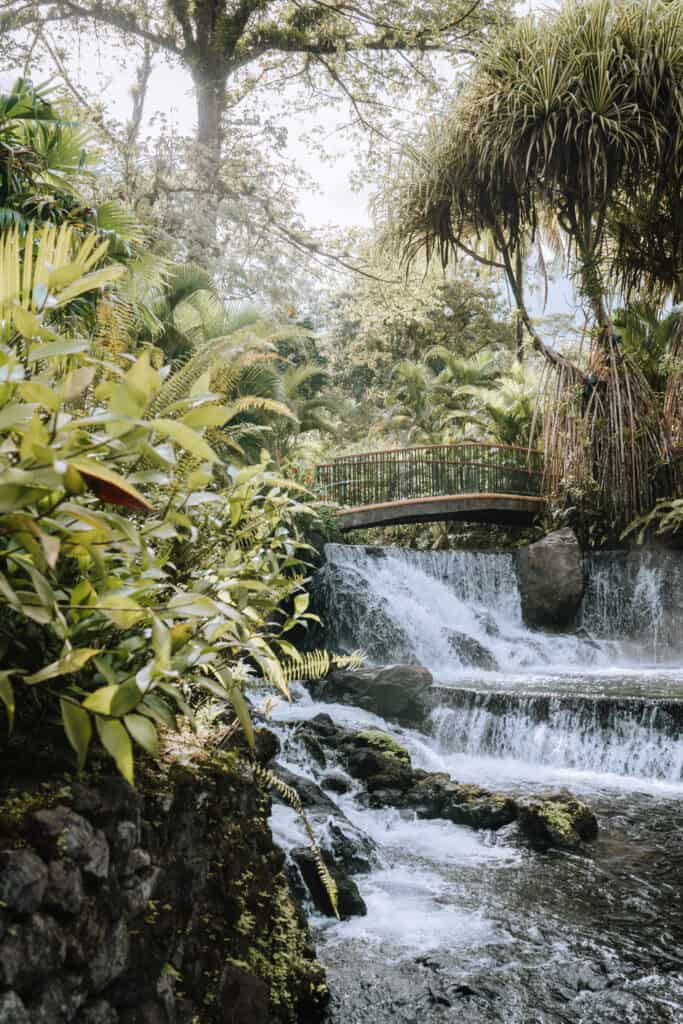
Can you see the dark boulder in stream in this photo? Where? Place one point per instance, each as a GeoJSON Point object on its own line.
{"type": "Point", "coordinates": [471, 652]}
{"type": "Point", "coordinates": [396, 692]}
{"type": "Point", "coordinates": [552, 580]}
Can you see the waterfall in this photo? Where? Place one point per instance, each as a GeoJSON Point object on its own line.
{"type": "Point", "coordinates": [632, 736]}
{"type": "Point", "coordinates": [457, 611]}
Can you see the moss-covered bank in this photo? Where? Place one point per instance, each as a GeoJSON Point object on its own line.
{"type": "Point", "coordinates": [167, 904]}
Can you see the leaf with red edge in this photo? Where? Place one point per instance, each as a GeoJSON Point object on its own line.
{"type": "Point", "coordinates": [109, 486]}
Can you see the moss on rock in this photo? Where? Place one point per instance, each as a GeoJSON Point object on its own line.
{"type": "Point", "coordinates": [383, 743]}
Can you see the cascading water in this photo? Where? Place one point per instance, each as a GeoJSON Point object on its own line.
{"type": "Point", "coordinates": [463, 926]}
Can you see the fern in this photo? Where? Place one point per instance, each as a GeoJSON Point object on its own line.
{"type": "Point", "coordinates": [317, 664]}
{"type": "Point", "coordinates": [268, 778]}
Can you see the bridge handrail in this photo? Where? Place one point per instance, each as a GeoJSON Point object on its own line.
{"type": "Point", "coordinates": [395, 474]}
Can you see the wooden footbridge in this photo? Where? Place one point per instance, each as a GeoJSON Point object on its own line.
{"type": "Point", "coordinates": [483, 483]}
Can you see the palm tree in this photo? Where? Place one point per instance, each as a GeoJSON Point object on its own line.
{"type": "Point", "coordinates": [573, 118]}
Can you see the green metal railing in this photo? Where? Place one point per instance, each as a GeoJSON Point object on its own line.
{"type": "Point", "coordinates": [402, 474]}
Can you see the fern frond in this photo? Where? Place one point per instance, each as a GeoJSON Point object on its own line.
{"type": "Point", "coordinates": [266, 777]}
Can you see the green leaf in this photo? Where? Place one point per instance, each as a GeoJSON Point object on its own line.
{"type": "Point", "coordinates": [187, 438]}
{"type": "Point", "coordinates": [126, 698]}
{"type": "Point", "coordinates": [72, 662]}
{"type": "Point", "coordinates": [116, 742]}
{"type": "Point", "coordinates": [161, 641]}
{"type": "Point", "coordinates": [124, 612]}
{"type": "Point", "coordinates": [241, 707]}
{"type": "Point", "coordinates": [143, 732]}
{"type": "Point", "coordinates": [7, 697]}
{"type": "Point", "coordinates": [301, 603]}
{"type": "Point", "coordinates": [206, 416]}
{"type": "Point", "coordinates": [57, 348]}
{"type": "Point", "coordinates": [100, 700]}
{"type": "Point", "coordinates": [78, 729]}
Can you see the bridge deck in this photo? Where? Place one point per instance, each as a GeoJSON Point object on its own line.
{"type": "Point", "coordinates": [470, 481]}
{"type": "Point", "coordinates": [503, 509]}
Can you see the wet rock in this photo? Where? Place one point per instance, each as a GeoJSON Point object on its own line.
{"type": "Point", "coordinates": [378, 771]}
{"type": "Point", "coordinates": [60, 832]}
{"type": "Point", "coordinates": [12, 1009]}
{"type": "Point", "coordinates": [477, 807]}
{"type": "Point", "coordinates": [380, 742]}
{"type": "Point", "coordinates": [30, 951]}
{"type": "Point", "coordinates": [351, 848]}
{"type": "Point", "coordinates": [266, 744]}
{"type": "Point", "coordinates": [57, 1003]}
{"type": "Point", "coordinates": [337, 782]}
{"type": "Point", "coordinates": [98, 1012]}
{"type": "Point", "coordinates": [557, 820]}
{"type": "Point", "coordinates": [552, 580]}
{"type": "Point", "coordinates": [312, 744]}
{"type": "Point", "coordinates": [245, 999]}
{"type": "Point", "coordinates": [64, 893]}
{"type": "Point", "coordinates": [471, 652]}
{"type": "Point", "coordinates": [110, 958]}
{"type": "Point", "coordinates": [310, 793]}
{"type": "Point", "coordinates": [349, 900]}
{"type": "Point", "coordinates": [396, 692]}
{"type": "Point", "coordinates": [23, 880]}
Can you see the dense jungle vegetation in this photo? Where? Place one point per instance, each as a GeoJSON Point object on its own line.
{"type": "Point", "coordinates": [179, 350]}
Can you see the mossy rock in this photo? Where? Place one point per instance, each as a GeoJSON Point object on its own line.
{"type": "Point", "coordinates": [383, 743]}
{"type": "Point", "coordinates": [558, 820]}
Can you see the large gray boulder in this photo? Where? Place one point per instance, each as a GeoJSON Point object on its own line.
{"type": "Point", "coordinates": [552, 580]}
{"type": "Point", "coordinates": [399, 693]}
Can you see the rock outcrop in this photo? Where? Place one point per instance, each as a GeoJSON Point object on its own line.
{"type": "Point", "coordinates": [398, 693]}
{"type": "Point", "coordinates": [552, 580]}
{"type": "Point", "coordinates": [167, 904]}
{"type": "Point", "coordinates": [383, 767]}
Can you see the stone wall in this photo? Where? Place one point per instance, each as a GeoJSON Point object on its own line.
{"type": "Point", "coordinates": [167, 904]}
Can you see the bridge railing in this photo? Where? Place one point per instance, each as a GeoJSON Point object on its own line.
{"type": "Point", "coordinates": [431, 471]}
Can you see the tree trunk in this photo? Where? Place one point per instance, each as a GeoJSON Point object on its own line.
{"type": "Point", "coordinates": [211, 103]}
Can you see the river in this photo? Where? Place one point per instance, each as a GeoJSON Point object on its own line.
{"type": "Point", "coordinates": [473, 927]}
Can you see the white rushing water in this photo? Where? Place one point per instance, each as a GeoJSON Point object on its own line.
{"type": "Point", "coordinates": [449, 611]}
{"type": "Point", "coordinates": [599, 712]}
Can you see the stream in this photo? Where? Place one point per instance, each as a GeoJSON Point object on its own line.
{"type": "Point", "coordinates": [473, 927]}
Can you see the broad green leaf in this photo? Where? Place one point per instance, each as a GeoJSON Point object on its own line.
{"type": "Point", "coordinates": [33, 391]}
{"type": "Point", "coordinates": [78, 729]}
{"type": "Point", "coordinates": [124, 612]}
{"type": "Point", "coordinates": [29, 324]}
{"type": "Point", "coordinates": [236, 698]}
{"type": "Point", "coordinates": [206, 416]}
{"type": "Point", "coordinates": [187, 438]}
{"type": "Point", "coordinates": [301, 603]}
{"type": "Point", "coordinates": [125, 699]}
{"type": "Point", "coordinates": [16, 415]}
{"type": "Point", "coordinates": [100, 700]}
{"type": "Point", "coordinates": [155, 707]}
{"type": "Point", "coordinates": [116, 742]}
{"type": "Point", "coordinates": [58, 348]}
{"type": "Point", "coordinates": [161, 641]}
{"type": "Point", "coordinates": [143, 732]}
{"type": "Point", "coordinates": [7, 697]}
{"type": "Point", "coordinates": [72, 662]}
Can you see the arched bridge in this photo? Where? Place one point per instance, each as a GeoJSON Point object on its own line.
{"type": "Point", "coordinates": [483, 483]}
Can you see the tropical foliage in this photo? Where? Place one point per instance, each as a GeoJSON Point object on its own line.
{"type": "Point", "coordinates": [570, 119]}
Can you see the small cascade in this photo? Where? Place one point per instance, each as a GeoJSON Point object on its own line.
{"type": "Point", "coordinates": [636, 596]}
{"type": "Point", "coordinates": [633, 736]}
{"type": "Point", "coordinates": [451, 612]}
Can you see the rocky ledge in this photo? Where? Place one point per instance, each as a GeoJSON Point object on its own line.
{"type": "Point", "coordinates": [168, 904]}
{"type": "Point", "coordinates": [384, 769]}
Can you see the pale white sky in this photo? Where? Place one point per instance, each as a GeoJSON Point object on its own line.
{"type": "Point", "coordinates": [332, 201]}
